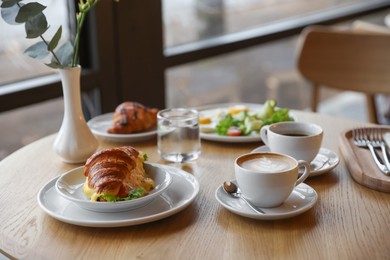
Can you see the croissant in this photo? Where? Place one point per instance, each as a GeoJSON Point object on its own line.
{"type": "Point", "coordinates": [113, 173]}
{"type": "Point", "coordinates": [133, 117]}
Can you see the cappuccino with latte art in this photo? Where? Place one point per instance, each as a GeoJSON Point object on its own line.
{"type": "Point", "coordinates": [268, 163]}
{"type": "Point", "coordinates": [267, 179]}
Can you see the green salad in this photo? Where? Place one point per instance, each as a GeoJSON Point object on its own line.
{"type": "Point", "coordinates": [245, 122]}
{"type": "Point", "coordinates": [133, 194]}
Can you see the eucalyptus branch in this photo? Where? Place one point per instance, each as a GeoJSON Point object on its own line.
{"type": "Point", "coordinates": [52, 52]}
{"type": "Point", "coordinates": [31, 15]}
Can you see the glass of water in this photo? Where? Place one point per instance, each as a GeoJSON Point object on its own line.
{"type": "Point", "coordinates": [178, 134]}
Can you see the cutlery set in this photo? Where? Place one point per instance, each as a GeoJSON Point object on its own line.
{"type": "Point", "coordinates": [373, 139]}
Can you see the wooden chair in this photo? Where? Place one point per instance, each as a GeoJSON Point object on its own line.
{"type": "Point", "coordinates": [346, 60]}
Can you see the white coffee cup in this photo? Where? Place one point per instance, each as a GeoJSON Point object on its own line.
{"type": "Point", "coordinates": [297, 139]}
{"type": "Point", "coordinates": [267, 179]}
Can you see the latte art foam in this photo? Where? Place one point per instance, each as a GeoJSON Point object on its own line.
{"type": "Point", "coordinates": [268, 164]}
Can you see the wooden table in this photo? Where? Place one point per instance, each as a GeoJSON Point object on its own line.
{"type": "Point", "coordinates": [349, 221]}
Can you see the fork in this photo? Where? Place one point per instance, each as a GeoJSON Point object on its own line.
{"type": "Point", "coordinates": [378, 142]}
{"type": "Point", "coordinates": [361, 138]}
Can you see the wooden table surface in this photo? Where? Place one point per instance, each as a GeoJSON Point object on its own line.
{"type": "Point", "coordinates": [349, 221]}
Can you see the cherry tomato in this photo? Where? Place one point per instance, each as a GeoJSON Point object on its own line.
{"type": "Point", "coordinates": [234, 131]}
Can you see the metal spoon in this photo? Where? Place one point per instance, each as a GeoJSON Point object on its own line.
{"type": "Point", "coordinates": [321, 165]}
{"type": "Point", "coordinates": [233, 190]}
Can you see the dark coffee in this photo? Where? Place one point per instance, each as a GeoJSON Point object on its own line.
{"type": "Point", "coordinates": [295, 134]}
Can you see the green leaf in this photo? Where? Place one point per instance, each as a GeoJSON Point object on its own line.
{"type": "Point", "coordinates": [9, 3]}
{"type": "Point", "coordinates": [225, 123]}
{"type": "Point", "coordinates": [55, 65]}
{"type": "Point", "coordinates": [36, 26]}
{"type": "Point", "coordinates": [279, 115]}
{"type": "Point", "coordinates": [9, 14]}
{"type": "Point", "coordinates": [37, 51]}
{"type": "Point", "coordinates": [56, 38]}
{"type": "Point", "coordinates": [110, 198]}
{"type": "Point", "coordinates": [135, 194]}
{"type": "Point", "coordinates": [65, 54]}
{"type": "Point", "coordinates": [268, 109]}
{"type": "Point", "coordinates": [28, 11]}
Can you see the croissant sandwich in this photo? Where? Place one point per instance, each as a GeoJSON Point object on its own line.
{"type": "Point", "coordinates": [116, 174]}
{"type": "Point", "coordinates": [133, 117]}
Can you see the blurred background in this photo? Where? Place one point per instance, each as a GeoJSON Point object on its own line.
{"type": "Point", "coordinates": [252, 74]}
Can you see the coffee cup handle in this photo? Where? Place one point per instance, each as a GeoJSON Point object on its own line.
{"type": "Point", "coordinates": [263, 134]}
{"type": "Point", "coordinates": [305, 174]}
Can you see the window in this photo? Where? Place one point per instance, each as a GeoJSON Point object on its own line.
{"type": "Point", "coordinates": [124, 51]}
{"type": "Point", "coordinates": [187, 21]}
{"type": "Point", "coordinates": [29, 81]}
{"type": "Point", "coordinates": [227, 51]}
{"type": "Point", "coordinates": [16, 66]}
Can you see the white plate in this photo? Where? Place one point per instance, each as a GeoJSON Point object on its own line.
{"type": "Point", "coordinates": [179, 195]}
{"type": "Point", "coordinates": [212, 110]}
{"type": "Point", "coordinates": [100, 124]}
{"type": "Point", "coordinates": [301, 199]}
{"type": "Point", "coordinates": [325, 161]}
{"type": "Point", "coordinates": [70, 186]}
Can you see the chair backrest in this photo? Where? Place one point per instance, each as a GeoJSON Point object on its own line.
{"type": "Point", "coordinates": [345, 60]}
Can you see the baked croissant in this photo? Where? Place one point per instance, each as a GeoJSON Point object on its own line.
{"type": "Point", "coordinates": [133, 117]}
{"type": "Point", "coordinates": [113, 173]}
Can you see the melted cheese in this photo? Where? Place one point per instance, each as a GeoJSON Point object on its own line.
{"type": "Point", "coordinates": [90, 192]}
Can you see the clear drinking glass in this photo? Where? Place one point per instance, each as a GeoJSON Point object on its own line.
{"type": "Point", "coordinates": [178, 134]}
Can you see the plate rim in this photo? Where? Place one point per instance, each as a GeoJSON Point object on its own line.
{"type": "Point", "coordinates": [119, 137]}
{"type": "Point", "coordinates": [185, 176]}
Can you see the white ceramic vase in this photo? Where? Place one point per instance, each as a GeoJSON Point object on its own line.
{"type": "Point", "coordinates": [75, 142]}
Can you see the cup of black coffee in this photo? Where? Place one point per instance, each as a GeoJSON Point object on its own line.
{"type": "Point", "coordinates": [297, 139]}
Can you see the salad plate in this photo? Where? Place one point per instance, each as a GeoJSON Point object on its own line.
{"type": "Point", "coordinates": [301, 200]}
{"type": "Point", "coordinates": [70, 186]}
{"type": "Point", "coordinates": [325, 161]}
{"type": "Point", "coordinates": [99, 126]}
{"type": "Point", "coordinates": [216, 112]}
{"type": "Point", "coordinates": [180, 194]}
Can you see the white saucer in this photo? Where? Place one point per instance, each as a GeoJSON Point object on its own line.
{"type": "Point", "coordinates": [100, 124]}
{"type": "Point", "coordinates": [325, 161]}
{"type": "Point", "coordinates": [301, 199]}
{"type": "Point", "coordinates": [182, 191]}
